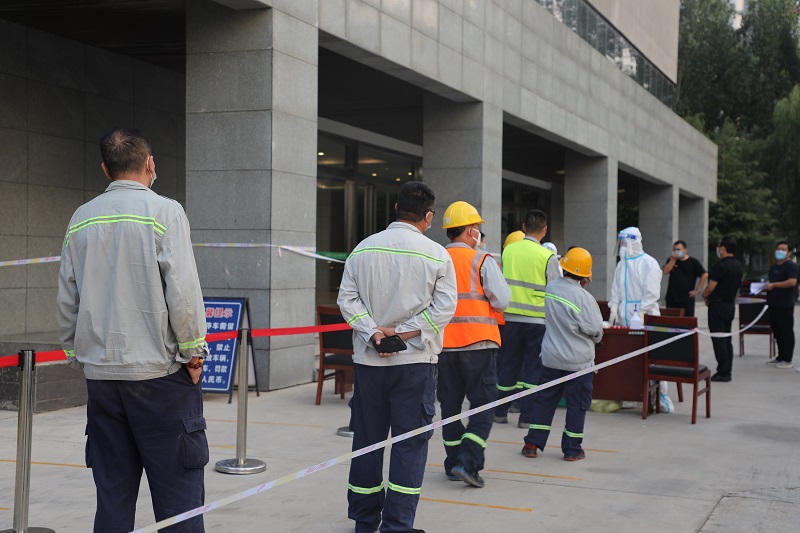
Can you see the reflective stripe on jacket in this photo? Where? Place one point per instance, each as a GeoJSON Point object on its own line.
{"type": "Point", "coordinates": [474, 320]}
{"type": "Point", "coordinates": [525, 270]}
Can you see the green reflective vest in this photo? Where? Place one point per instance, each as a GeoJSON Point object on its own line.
{"type": "Point", "coordinates": [525, 270]}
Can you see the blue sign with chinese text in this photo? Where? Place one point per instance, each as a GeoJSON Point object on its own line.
{"type": "Point", "coordinates": [222, 314]}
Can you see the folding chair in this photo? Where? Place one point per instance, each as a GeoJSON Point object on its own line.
{"type": "Point", "coordinates": [748, 313]}
{"type": "Point", "coordinates": [339, 344]}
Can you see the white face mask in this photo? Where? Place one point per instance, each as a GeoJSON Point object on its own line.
{"type": "Point", "coordinates": [476, 239]}
{"type": "Point", "coordinates": [152, 181]}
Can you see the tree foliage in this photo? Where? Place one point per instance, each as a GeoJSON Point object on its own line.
{"type": "Point", "coordinates": [734, 85]}
{"type": "Point", "coordinates": [745, 206]}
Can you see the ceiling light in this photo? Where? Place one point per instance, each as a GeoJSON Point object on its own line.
{"type": "Point", "coordinates": [398, 179]}
{"type": "Point", "coordinates": [320, 154]}
{"type": "Point", "coordinates": [374, 174]}
{"type": "Point", "coordinates": [410, 173]}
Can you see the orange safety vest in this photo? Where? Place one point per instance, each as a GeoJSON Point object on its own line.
{"type": "Point", "coordinates": [474, 320]}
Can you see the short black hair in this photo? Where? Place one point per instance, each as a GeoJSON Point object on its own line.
{"type": "Point", "coordinates": [573, 276]}
{"type": "Point", "coordinates": [682, 243]}
{"type": "Point", "coordinates": [729, 243]}
{"type": "Point", "coordinates": [452, 233]}
{"type": "Point", "coordinates": [535, 221]}
{"type": "Point", "coordinates": [414, 201]}
{"type": "Point", "coordinates": [787, 243]}
{"type": "Point", "coordinates": [124, 150]}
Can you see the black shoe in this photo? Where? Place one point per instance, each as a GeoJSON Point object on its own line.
{"type": "Point", "coordinates": [523, 424]}
{"type": "Point", "coordinates": [452, 477]}
{"type": "Point", "coordinates": [363, 528]}
{"type": "Point", "coordinates": [470, 478]}
{"type": "Point", "coordinates": [719, 377]}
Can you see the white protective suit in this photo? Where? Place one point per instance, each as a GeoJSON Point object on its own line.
{"type": "Point", "coordinates": [637, 279]}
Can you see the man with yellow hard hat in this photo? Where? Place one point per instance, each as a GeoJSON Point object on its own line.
{"type": "Point", "coordinates": [574, 326]}
{"type": "Point", "coordinates": [467, 364]}
{"type": "Point", "coordinates": [528, 267]}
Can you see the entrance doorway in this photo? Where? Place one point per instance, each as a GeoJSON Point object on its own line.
{"type": "Point", "coordinates": [357, 186]}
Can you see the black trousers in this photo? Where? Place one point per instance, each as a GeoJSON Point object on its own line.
{"type": "Point", "coordinates": [687, 306]}
{"type": "Point", "coordinates": [472, 374]}
{"type": "Point", "coordinates": [781, 320]}
{"type": "Point", "coordinates": [156, 425]}
{"type": "Point", "coordinates": [400, 398]}
{"type": "Point", "coordinates": [720, 318]}
{"type": "Point", "coordinates": [519, 365]}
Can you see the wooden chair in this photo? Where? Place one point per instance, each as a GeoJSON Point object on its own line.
{"type": "Point", "coordinates": [672, 311]}
{"type": "Point", "coordinates": [748, 313]}
{"type": "Point", "coordinates": [678, 361]}
{"type": "Point", "coordinates": [339, 344]}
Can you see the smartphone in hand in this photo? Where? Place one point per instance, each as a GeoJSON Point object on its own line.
{"type": "Point", "coordinates": [390, 344]}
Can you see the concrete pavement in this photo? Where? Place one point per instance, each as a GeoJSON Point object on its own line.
{"type": "Point", "coordinates": [737, 471]}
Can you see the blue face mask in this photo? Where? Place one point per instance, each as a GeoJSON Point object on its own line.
{"type": "Point", "coordinates": [780, 255]}
{"type": "Point", "coordinates": [679, 253]}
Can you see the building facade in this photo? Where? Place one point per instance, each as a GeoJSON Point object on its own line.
{"type": "Point", "coordinates": [294, 122]}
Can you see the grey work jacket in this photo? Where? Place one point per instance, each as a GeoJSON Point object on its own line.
{"type": "Point", "coordinates": [129, 300]}
{"type": "Point", "coordinates": [398, 278]}
{"type": "Point", "coordinates": [573, 326]}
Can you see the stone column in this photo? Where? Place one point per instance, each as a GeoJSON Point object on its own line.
{"type": "Point", "coordinates": [463, 160]}
{"type": "Point", "coordinates": [251, 130]}
{"type": "Point", "coordinates": [693, 227]}
{"type": "Point", "coordinates": [658, 222]}
{"type": "Point", "coordinates": [590, 215]}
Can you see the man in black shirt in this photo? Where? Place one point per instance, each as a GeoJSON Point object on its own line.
{"type": "Point", "coordinates": [683, 272]}
{"type": "Point", "coordinates": [780, 299]}
{"type": "Point", "coordinates": [724, 283]}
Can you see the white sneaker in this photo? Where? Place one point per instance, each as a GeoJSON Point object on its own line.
{"type": "Point", "coordinates": [784, 366]}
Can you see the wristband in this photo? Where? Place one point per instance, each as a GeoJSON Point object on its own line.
{"type": "Point", "coordinates": [195, 366]}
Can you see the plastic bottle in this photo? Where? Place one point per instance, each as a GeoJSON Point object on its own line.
{"type": "Point", "coordinates": [635, 322]}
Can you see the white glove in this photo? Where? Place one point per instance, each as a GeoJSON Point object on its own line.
{"type": "Point", "coordinates": [612, 317]}
{"type": "Point", "coordinates": [641, 315]}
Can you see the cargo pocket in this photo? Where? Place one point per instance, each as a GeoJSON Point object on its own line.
{"type": "Point", "coordinates": [489, 392]}
{"type": "Point", "coordinates": [428, 410]}
{"type": "Point", "coordinates": [194, 448]}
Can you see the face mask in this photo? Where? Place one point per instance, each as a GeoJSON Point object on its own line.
{"type": "Point", "coordinates": [780, 255]}
{"type": "Point", "coordinates": [622, 249]}
{"type": "Point", "coordinates": [483, 247]}
{"type": "Point", "coordinates": [152, 181]}
{"type": "Point", "coordinates": [718, 253]}
{"type": "Point", "coordinates": [477, 240]}
{"type": "Point", "coordinates": [680, 253]}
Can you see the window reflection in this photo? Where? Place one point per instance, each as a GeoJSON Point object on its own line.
{"type": "Point", "coordinates": [590, 25]}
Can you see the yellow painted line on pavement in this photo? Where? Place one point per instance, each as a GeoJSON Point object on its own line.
{"type": "Point", "coordinates": [521, 443]}
{"type": "Point", "coordinates": [221, 446]}
{"type": "Point", "coordinates": [524, 473]}
{"type": "Point", "coordinates": [486, 505]}
{"type": "Point", "coordinates": [44, 463]}
{"type": "Point", "coordinates": [5, 508]}
{"type": "Point", "coordinates": [267, 423]}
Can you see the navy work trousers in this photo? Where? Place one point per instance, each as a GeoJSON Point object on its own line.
{"type": "Point", "coordinates": [400, 398]}
{"type": "Point", "coordinates": [472, 374]}
{"type": "Point", "coordinates": [156, 425]}
{"type": "Point", "coordinates": [519, 365]}
{"type": "Point", "coordinates": [579, 399]}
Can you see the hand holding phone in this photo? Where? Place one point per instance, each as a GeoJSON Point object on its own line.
{"type": "Point", "coordinates": [390, 344]}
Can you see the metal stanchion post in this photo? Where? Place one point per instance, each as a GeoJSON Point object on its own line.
{"type": "Point", "coordinates": [27, 362]}
{"type": "Point", "coordinates": [241, 464]}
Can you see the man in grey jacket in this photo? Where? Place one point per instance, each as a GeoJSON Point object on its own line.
{"type": "Point", "coordinates": [396, 282]}
{"type": "Point", "coordinates": [131, 315]}
{"type": "Point", "coordinates": [574, 326]}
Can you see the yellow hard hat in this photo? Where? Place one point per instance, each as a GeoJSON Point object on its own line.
{"type": "Point", "coordinates": [577, 261]}
{"type": "Point", "coordinates": [460, 214]}
{"type": "Point", "coordinates": [514, 236]}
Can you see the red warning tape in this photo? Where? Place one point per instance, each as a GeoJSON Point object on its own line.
{"type": "Point", "coordinates": [58, 355]}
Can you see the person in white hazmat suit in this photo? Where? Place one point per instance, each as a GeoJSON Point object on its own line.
{"type": "Point", "coordinates": [636, 289]}
{"type": "Point", "coordinates": [637, 280]}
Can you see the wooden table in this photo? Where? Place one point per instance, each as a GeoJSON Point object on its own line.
{"type": "Point", "coordinates": [622, 381]}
